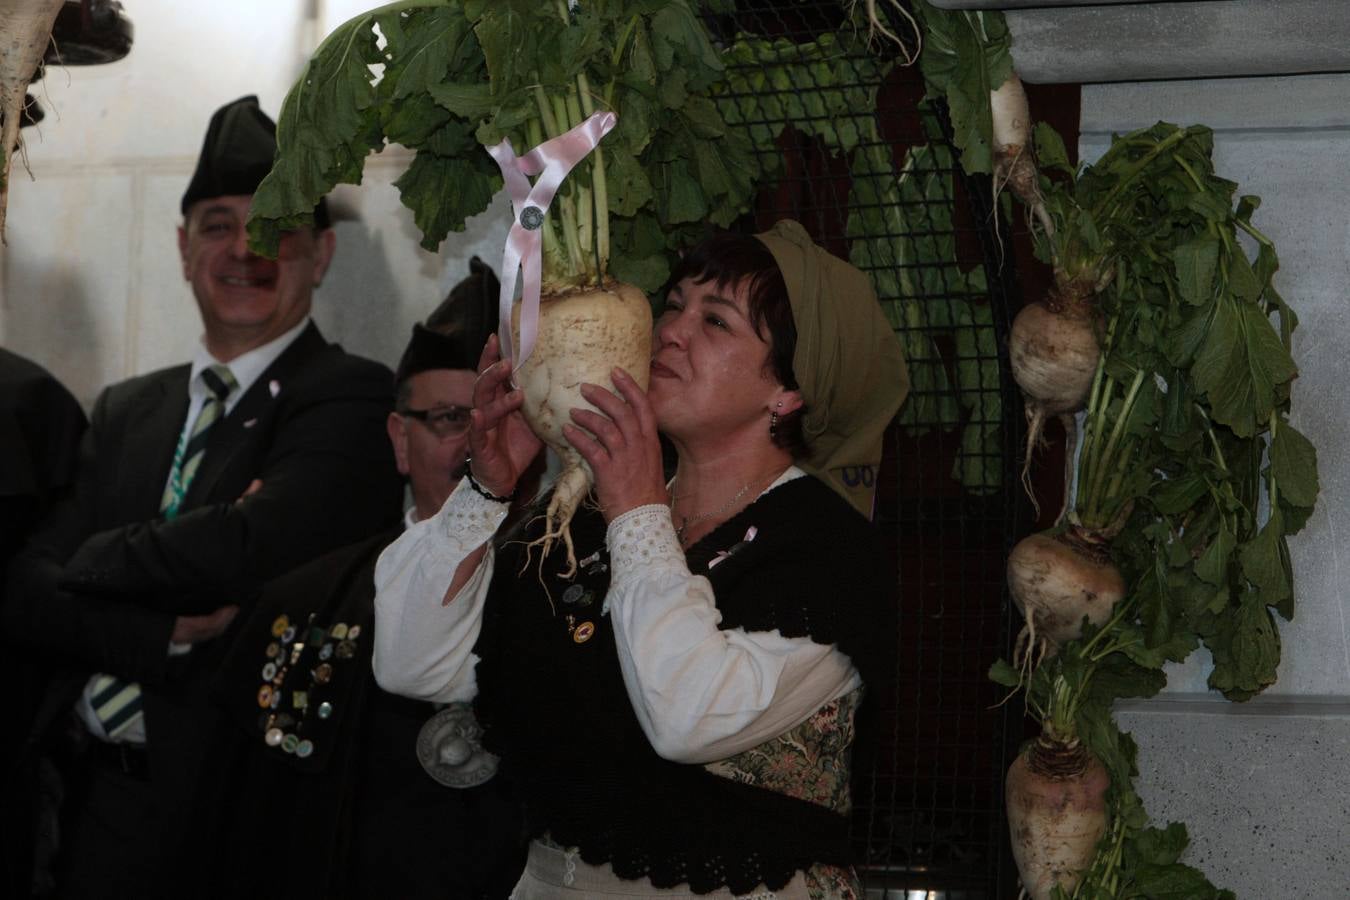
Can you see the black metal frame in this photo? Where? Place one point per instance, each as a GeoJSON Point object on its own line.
{"type": "Point", "coordinates": [929, 814]}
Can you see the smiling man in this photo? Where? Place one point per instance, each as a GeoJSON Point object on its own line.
{"type": "Point", "coordinates": [195, 485]}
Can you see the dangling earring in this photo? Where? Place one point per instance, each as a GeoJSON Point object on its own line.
{"type": "Point", "coordinates": [773, 420]}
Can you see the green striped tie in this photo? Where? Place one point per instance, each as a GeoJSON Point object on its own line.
{"type": "Point", "coordinates": [116, 702]}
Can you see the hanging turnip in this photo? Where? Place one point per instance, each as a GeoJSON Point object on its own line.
{"type": "Point", "coordinates": [1056, 801]}
{"type": "Point", "coordinates": [26, 32]}
{"type": "Point", "coordinates": [1056, 581]}
{"type": "Point", "coordinates": [1053, 353]}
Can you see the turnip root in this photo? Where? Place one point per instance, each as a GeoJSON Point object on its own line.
{"type": "Point", "coordinates": [583, 334]}
{"type": "Point", "coordinates": [1056, 580]}
{"type": "Point", "coordinates": [1053, 353]}
{"type": "Point", "coordinates": [27, 29]}
{"type": "Point", "coordinates": [1056, 804]}
{"type": "Point", "coordinates": [1014, 165]}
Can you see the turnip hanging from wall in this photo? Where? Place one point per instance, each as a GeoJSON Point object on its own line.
{"type": "Point", "coordinates": [25, 32]}
{"type": "Point", "coordinates": [1186, 437]}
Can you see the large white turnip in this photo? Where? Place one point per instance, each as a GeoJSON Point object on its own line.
{"type": "Point", "coordinates": [1056, 800]}
{"type": "Point", "coordinates": [1056, 581]}
{"type": "Point", "coordinates": [1053, 353]}
{"type": "Point", "coordinates": [583, 334]}
{"type": "Point", "coordinates": [25, 31]}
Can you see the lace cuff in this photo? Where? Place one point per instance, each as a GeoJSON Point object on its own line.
{"type": "Point", "coordinates": [468, 519]}
{"type": "Point", "coordinates": [642, 538]}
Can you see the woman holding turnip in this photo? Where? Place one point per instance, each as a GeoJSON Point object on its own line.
{"type": "Point", "coordinates": [680, 713]}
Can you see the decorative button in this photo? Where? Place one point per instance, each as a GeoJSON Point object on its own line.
{"type": "Point", "coordinates": [265, 696]}
{"type": "Point", "coordinates": [354, 632]}
{"type": "Point", "coordinates": [346, 650]}
{"type": "Point", "coordinates": [273, 650]}
{"type": "Point", "coordinates": [288, 634]}
{"type": "Point", "coordinates": [325, 651]}
{"type": "Point", "coordinates": [338, 631]}
{"type": "Point", "coordinates": [323, 673]}
{"type": "Point", "coordinates": [269, 671]}
{"type": "Point", "coordinates": [279, 626]}
{"type": "Point", "coordinates": [583, 632]}
{"type": "Point", "coordinates": [299, 699]}
{"type": "Point", "coordinates": [304, 748]}
{"type": "Point", "coordinates": [273, 737]}
{"type": "Point", "coordinates": [289, 743]}
{"type": "Point", "coordinates": [531, 218]}
{"type": "Point", "coordinates": [325, 709]}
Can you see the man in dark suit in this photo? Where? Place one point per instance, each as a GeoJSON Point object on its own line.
{"type": "Point", "coordinates": [195, 484]}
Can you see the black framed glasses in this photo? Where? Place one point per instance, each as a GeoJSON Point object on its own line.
{"type": "Point", "coordinates": [443, 421]}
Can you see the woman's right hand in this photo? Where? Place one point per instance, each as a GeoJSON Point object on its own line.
{"type": "Point", "coordinates": [501, 444]}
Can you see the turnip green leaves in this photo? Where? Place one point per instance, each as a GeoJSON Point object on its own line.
{"type": "Point", "coordinates": [453, 75]}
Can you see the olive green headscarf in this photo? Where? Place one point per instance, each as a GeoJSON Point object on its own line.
{"type": "Point", "coordinates": [848, 363]}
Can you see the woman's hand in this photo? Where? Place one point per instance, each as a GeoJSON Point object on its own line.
{"type": "Point", "coordinates": [621, 446]}
{"type": "Point", "coordinates": [501, 444]}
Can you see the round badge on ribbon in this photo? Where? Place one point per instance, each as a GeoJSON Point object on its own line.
{"type": "Point", "coordinates": [551, 161]}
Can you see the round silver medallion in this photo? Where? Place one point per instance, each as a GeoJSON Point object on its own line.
{"type": "Point", "coordinates": [448, 748]}
{"type": "Point", "coordinates": [531, 218]}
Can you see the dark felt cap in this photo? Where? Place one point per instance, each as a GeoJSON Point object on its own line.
{"type": "Point", "coordinates": [240, 144]}
{"type": "Point", "coordinates": [455, 332]}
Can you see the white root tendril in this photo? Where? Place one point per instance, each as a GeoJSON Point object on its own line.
{"type": "Point", "coordinates": [876, 26]}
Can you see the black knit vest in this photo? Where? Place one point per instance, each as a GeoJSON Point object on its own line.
{"type": "Point", "coordinates": [553, 704]}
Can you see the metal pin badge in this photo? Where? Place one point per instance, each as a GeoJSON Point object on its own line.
{"type": "Point", "coordinates": [531, 218]}
{"type": "Point", "coordinates": [274, 387]}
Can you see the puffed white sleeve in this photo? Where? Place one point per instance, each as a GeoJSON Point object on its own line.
{"type": "Point", "coordinates": [702, 693]}
{"type": "Point", "coordinates": [424, 647]}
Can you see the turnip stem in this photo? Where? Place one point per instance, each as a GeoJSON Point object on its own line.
{"type": "Point", "coordinates": [600, 188]}
{"type": "Point", "coordinates": [584, 206]}
{"type": "Point", "coordinates": [1116, 432]}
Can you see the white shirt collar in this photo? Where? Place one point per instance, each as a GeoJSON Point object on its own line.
{"type": "Point", "coordinates": [245, 368]}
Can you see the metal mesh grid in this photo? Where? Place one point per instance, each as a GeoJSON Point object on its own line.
{"type": "Point", "coordinates": [871, 174]}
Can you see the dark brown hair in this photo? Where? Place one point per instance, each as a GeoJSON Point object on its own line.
{"type": "Point", "coordinates": [728, 260]}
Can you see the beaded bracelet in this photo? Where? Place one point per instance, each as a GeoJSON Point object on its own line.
{"type": "Point", "coordinates": [484, 492]}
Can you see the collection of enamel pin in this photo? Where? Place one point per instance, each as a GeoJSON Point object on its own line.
{"type": "Point", "coordinates": [282, 723]}
{"type": "Point", "coordinates": [578, 597]}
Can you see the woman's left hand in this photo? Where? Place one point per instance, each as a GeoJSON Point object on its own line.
{"type": "Point", "coordinates": [621, 446]}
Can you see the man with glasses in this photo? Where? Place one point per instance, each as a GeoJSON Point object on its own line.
{"type": "Point", "coordinates": [362, 793]}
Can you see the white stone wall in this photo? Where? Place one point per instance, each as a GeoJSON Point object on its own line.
{"type": "Point", "coordinates": [90, 282]}
{"type": "Point", "coordinates": [1261, 786]}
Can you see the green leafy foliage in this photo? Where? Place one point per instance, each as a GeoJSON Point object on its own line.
{"type": "Point", "coordinates": [459, 74]}
{"type": "Point", "coordinates": [966, 56]}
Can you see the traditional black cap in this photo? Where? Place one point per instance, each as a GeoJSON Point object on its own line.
{"type": "Point", "coordinates": [241, 142]}
{"type": "Point", "coordinates": [455, 332]}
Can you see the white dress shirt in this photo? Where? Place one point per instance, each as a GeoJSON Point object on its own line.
{"type": "Point", "coordinates": [700, 693]}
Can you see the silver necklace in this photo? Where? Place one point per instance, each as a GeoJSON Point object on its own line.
{"type": "Point", "coordinates": [686, 521]}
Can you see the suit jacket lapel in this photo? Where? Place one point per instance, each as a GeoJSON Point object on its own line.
{"type": "Point", "coordinates": [153, 426]}
{"type": "Point", "coordinates": [249, 416]}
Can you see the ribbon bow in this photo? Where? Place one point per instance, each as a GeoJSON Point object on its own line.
{"type": "Point", "coordinates": [524, 244]}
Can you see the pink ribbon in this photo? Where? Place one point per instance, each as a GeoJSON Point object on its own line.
{"type": "Point", "coordinates": [524, 243]}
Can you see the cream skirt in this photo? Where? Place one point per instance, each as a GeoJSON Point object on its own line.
{"type": "Point", "coordinates": [551, 873]}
